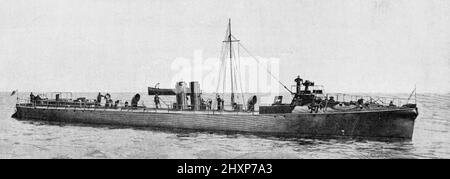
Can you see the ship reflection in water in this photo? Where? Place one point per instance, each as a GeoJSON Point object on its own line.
{"type": "Point", "coordinates": [34, 139]}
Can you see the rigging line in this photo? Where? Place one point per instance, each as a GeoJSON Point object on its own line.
{"type": "Point", "coordinates": [220, 71]}
{"type": "Point", "coordinates": [229, 57]}
{"type": "Point", "coordinates": [231, 70]}
{"type": "Point", "coordinates": [268, 71]}
{"type": "Point", "coordinates": [237, 68]}
{"type": "Point", "coordinates": [222, 57]}
{"type": "Point", "coordinates": [240, 72]}
{"type": "Point", "coordinates": [161, 99]}
{"type": "Point", "coordinates": [225, 71]}
{"type": "Point", "coordinates": [415, 95]}
{"type": "Point", "coordinates": [227, 33]}
{"type": "Point", "coordinates": [413, 92]}
{"type": "Point", "coordinates": [231, 54]}
{"type": "Point", "coordinates": [235, 80]}
{"type": "Point", "coordinates": [235, 71]}
{"type": "Point", "coordinates": [223, 68]}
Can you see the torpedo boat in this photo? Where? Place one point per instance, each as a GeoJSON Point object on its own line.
{"type": "Point", "coordinates": [310, 113]}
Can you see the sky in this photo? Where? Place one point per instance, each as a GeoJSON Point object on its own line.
{"type": "Point", "coordinates": [125, 46]}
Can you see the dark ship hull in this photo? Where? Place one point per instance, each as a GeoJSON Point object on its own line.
{"type": "Point", "coordinates": [393, 123]}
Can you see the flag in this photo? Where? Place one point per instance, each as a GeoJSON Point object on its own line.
{"type": "Point", "coordinates": [14, 92]}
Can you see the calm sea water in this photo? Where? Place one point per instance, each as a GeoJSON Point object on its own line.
{"type": "Point", "coordinates": [27, 139]}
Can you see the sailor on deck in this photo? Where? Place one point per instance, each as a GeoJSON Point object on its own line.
{"type": "Point", "coordinates": [37, 99]}
{"type": "Point", "coordinates": [391, 104]}
{"type": "Point", "coordinates": [156, 101]}
{"type": "Point", "coordinates": [135, 100]}
{"type": "Point", "coordinates": [108, 100]}
{"type": "Point", "coordinates": [32, 97]}
{"type": "Point", "coordinates": [219, 103]}
{"type": "Point", "coordinates": [99, 99]}
{"type": "Point", "coordinates": [209, 104]}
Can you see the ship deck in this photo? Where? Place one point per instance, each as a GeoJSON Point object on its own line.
{"type": "Point", "coordinates": [198, 112]}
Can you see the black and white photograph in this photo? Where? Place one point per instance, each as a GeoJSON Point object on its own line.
{"type": "Point", "coordinates": [225, 79]}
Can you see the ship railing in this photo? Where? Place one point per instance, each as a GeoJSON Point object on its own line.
{"type": "Point", "coordinates": [205, 108]}
{"type": "Point", "coordinates": [142, 107]}
{"type": "Point", "coordinates": [381, 100]}
{"type": "Point", "coordinates": [57, 104]}
{"type": "Point", "coordinates": [201, 109]}
{"type": "Point", "coordinates": [172, 107]}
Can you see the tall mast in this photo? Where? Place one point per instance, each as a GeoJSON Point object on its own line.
{"type": "Point", "coordinates": [228, 39]}
{"type": "Point", "coordinates": [231, 61]}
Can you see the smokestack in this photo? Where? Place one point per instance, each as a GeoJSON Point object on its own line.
{"type": "Point", "coordinates": [195, 95]}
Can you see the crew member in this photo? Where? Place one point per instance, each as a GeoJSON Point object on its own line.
{"type": "Point", "coordinates": [219, 103]}
{"type": "Point", "coordinates": [99, 99]}
{"type": "Point", "coordinates": [135, 100]}
{"type": "Point", "coordinates": [360, 103]}
{"type": "Point", "coordinates": [251, 103]}
{"type": "Point", "coordinates": [331, 100]}
{"type": "Point", "coordinates": [209, 103]}
{"type": "Point", "coordinates": [156, 101]}
{"type": "Point", "coordinates": [32, 97]}
{"type": "Point", "coordinates": [391, 104]}
{"type": "Point", "coordinates": [37, 99]}
{"type": "Point", "coordinates": [108, 100]}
